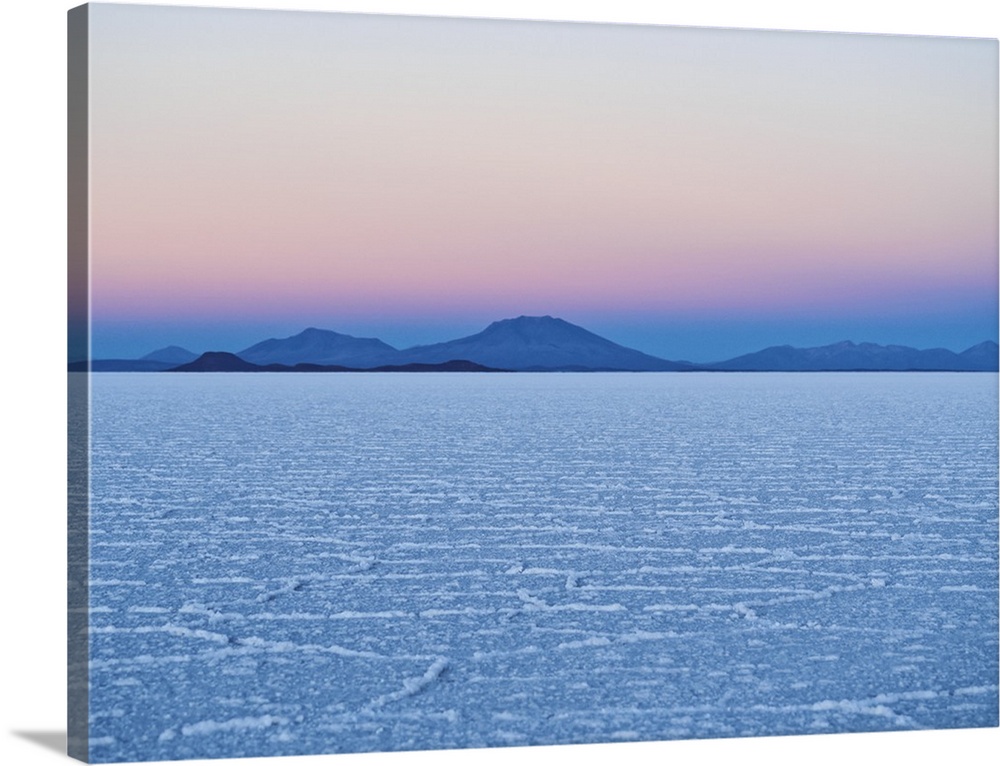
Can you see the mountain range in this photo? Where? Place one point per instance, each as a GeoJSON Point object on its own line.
{"type": "Point", "coordinates": [223, 361]}
{"type": "Point", "coordinates": [862, 356]}
{"type": "Point", "coordinates": [536, 344]}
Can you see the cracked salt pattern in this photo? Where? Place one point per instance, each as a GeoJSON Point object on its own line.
{"type": "Point", "coordinates": [289, 564]}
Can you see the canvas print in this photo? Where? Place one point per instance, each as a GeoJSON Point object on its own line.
{"type": "Point", "coordinates": [445, 383]}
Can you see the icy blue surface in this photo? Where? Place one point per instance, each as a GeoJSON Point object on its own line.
{"type": "Point", "coordinates": [304, 563]}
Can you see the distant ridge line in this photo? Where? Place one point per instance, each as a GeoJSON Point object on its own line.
{"type": "Point", "coordinates": [537, 344]}
{"type": "Point", "coordinates": [223, 361]}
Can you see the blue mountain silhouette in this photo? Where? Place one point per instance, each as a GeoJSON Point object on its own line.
{"type": "Point", "coordinates": [546, 343]}
{"type": "Point", "coordinates": [325, 347]}
{"type": "Point", "coordinates": [171, 355]}
{"type": "Point", "coordinates": [863, 356]}
{"type": "Point", "coordinates": [540, 343]}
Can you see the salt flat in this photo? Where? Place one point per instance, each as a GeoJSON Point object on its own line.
{"type": "Point", "coordinates": [346, 562]}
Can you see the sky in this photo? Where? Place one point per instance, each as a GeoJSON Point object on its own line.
{"type": "Point", "coordinates": [693, 193]}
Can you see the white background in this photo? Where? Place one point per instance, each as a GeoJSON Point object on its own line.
{"type": "Point", "coordinates": [32, 347]}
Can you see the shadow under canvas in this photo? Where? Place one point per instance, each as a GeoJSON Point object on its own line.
{"type": "Point", "coordinates": [50, 740]}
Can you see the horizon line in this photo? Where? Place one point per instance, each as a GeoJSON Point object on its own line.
{"type": "Point", "coordinates": [844, 342]}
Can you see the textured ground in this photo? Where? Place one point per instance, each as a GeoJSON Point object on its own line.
{"type": "Point", "coordinates": [317, 563]}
